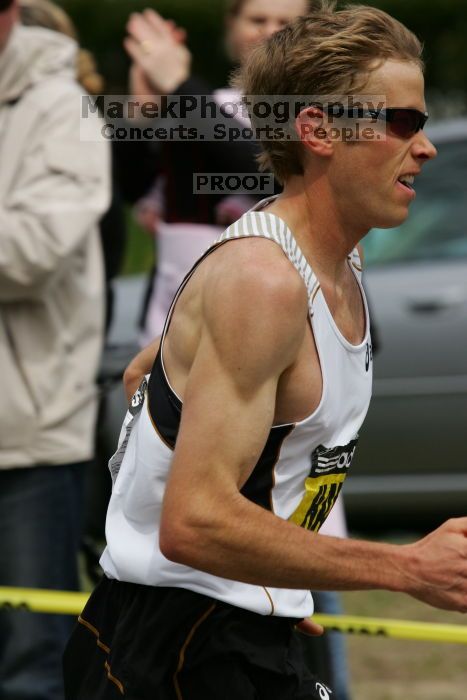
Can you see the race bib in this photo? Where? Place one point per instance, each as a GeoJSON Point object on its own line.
{"type": "Point", "coordinates": [329, 467]}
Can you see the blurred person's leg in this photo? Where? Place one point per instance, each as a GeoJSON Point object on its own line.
{"type": "Point", "coordinates": [327, 655]}
{"type": "Point", "coordinates": [98, 484]}
{"type": "Point", "coordinates": [40, 522]}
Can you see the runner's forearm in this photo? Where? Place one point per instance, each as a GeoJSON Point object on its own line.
{"type": "Point", "coordinates": [255, 546]}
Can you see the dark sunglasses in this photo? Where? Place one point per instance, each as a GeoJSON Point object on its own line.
{"type": "Point", "coordinates": [401, 122]}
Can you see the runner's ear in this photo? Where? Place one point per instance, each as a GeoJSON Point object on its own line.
{"type": "Point", "coordinates": [312, 129]}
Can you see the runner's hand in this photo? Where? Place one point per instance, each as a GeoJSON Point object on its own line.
{"type": "Point", "coordinates": [437, 567]}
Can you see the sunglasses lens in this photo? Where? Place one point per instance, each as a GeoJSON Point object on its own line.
{"type": "Point", "coordinates": [405, 122]}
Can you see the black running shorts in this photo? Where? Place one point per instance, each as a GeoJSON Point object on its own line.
{"type": "Point", "coordinates": [147, 643]}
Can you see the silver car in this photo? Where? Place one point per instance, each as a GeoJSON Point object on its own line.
{"type": "Point", "coordinates": [412, 455]}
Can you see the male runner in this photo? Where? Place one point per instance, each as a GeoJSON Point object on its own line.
{"type": "Point", "coordinates": [234, 451]}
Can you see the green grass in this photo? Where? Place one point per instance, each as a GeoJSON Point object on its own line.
{"type": "Point", "coordinates": [391, 669]}
{"type": "Point", "coordinates": [140, 249]}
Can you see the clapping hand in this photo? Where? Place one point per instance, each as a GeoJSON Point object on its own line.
{"type": "Point", "coordinates": [161, 60]}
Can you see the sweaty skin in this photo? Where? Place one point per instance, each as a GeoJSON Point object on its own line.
{"type": "Point", "coordinates": [240, 354]}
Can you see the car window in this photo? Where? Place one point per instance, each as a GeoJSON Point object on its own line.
{"type": "Point", "coordinates": [437, 224]}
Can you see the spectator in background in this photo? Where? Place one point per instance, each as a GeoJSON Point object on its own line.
{"type": "Point", "coordinates": [43, 13]}
{"type": "Point", "coordinates": [53, 190]}
{"type": "Point", "coordinates": [187, 223]}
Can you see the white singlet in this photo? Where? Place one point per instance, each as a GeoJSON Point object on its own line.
{"type": "Point", "coordinates": [298, 476]}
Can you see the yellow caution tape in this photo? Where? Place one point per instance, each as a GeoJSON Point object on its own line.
{"type": "Point", "coordinates": [42, 601]}
{"type": "Point", "coordinates": [68, 603]}
{"type": "Point", "coordinates": [396, 629]}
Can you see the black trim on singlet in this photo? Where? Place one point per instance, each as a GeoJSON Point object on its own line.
{"type": "Point", "coordinates": [165, 410]}
{"type": "Point", "coordinates": [258, 487]}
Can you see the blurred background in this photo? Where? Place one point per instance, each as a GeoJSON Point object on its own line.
{"type": "Point", "coordinates": [410, 470]}
{"type": "Point", "coordinates": [441, 24]}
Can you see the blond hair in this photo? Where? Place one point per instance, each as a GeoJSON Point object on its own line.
{"type": "Point", "coordinates": [43, 13]}
{"type": "Point", "coordinates": [328, 52]}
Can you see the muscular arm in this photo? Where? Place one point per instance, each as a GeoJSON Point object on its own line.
{"type": "Point", "coordinates": [253, 327]}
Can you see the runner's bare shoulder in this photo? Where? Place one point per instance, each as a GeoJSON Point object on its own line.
{"type": "Point", "coordinates": [255, 301]}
